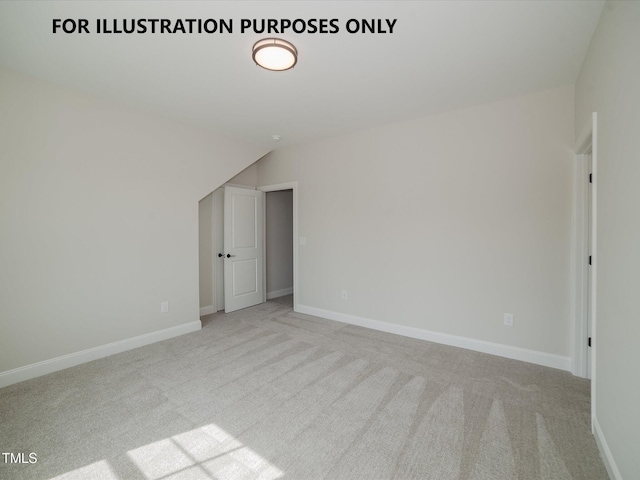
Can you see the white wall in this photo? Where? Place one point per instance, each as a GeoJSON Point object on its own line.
{"type": "Point", "coordinates": [206, 258]}
{"type": "Point", "coordinates": [279, 242]}
{"type": "Point", "coordinates": [98, 219]}
{"type": "Point", "coordinates": [443, 223]}
{"type": "Point", "coordinates": [609, 83]}
{"type": "Point", "coordinates": [248, 177]}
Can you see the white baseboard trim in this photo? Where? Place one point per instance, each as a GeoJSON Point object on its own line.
{"type": "Point", "coordinates": [71, 360]}
{"type": "Point", "coordinates": [605, 452]}
{"type": "Point", "coordinates": [208, 310]}
{"type": "Point", "coordinates": [516, 353]}
{"type": "Point", "coordinates": [279, 293]}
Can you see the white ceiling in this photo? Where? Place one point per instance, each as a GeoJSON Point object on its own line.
{"type": "Point", "coordinates": [442, 55]}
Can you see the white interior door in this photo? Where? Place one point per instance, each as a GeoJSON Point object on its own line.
{"type": "Point", "coordinates": [243, 248]}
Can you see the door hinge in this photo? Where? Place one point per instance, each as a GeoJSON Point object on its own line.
{"type": "Point", "coordinates": [591, 178]}
{"type": "Point", "coordinates": [589, 259]}
{"type": "Point", "coordinates": [589, 342]}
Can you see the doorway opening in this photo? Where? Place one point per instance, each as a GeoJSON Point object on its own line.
{"type": "Point", "coordinates": [278, 235]}
{"type": "Point", "coordinates": [281, 240]}
{"type": "Point", "coordinates": [583, 263]}
{"type": "Point", "coordinates": [584, 246]}
{"type": "Point", "coordinates": [278, 243]}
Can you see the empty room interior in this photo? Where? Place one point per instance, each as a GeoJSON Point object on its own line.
{"type": "Point", "coordinates": [306, 240]}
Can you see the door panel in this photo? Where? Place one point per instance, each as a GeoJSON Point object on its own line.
{"type": "Point", "coordinates": [243, 279]}
{"type": "Point", "coordinates": [245, 273]}
{"type": "Point", "coordinates": [244, 226]}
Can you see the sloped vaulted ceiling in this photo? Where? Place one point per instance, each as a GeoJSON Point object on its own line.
{"type": "Point", "coordinates": [421, 58]}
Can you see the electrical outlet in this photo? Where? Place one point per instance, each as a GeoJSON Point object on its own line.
{"type": "Point", "coordinates": [345, 295]}
{"type": "Point", "coordinates": [508, 319]}
{"type": "Point", "coordinates": [164, 307]}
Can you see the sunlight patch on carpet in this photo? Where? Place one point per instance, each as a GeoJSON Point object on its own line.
{"type": "Point", "coordinates": [100, 469]}
{"type": "Point", "coordinates": [205, 452]}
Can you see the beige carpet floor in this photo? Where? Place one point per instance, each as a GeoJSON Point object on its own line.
{"type": "Point", "coordinates": [267, 393]}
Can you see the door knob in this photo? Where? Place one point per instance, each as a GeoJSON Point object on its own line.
{"type": "Point", "coordinates": [220, 255]}
{"type": "Point", "coordinates": [229, 255]}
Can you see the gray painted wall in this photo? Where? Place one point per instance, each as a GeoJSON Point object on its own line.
{"type": "Point", "coordinates": [609, 83]}
{"type": "Point", "coordinates": [99, 219]}
{"type": "Point", "coordinates": [444, 223]}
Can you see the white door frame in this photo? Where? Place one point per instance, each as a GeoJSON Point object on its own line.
{"type": "Point", "coordinates": [586, 144]}
{"type": "Point", "coordinates": [217, 244]}
{"type": "Point", "coordinates": [274, 188]}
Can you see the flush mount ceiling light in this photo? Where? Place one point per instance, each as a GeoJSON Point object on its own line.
{"type": "Point", "coordinates": [274, 54]}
